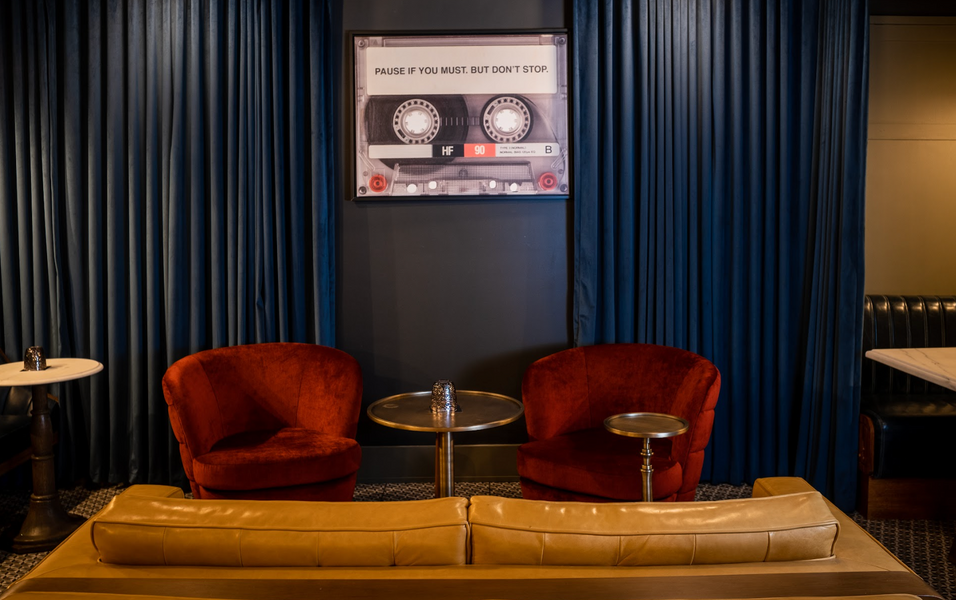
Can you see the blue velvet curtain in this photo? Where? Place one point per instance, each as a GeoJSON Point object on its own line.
{"type": "Point", "coordinates": [167, 184]}
{"type": "Point", "coordinates": [719, 187]}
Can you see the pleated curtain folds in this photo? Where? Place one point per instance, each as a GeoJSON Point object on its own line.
{"type": "Point", "coordinates": [168, 184]}
{"type": "Point", "coordinates": [718, 206]}
{"type": "Point", "coordinates": [167, 178]}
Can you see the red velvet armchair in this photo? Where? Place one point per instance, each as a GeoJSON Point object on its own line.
{"type": "Point", "coordinates": [267, 421]}
{"type": "Point", "coordinates": [567, 396]}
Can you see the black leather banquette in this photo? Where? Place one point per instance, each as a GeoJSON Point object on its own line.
{"type": "Point", "coordinates": [907, 425]}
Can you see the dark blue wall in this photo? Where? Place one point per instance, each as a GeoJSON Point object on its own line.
{"type": "Point", "coordinates": [463, 289]}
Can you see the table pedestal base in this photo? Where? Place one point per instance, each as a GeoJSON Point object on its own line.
{"type": "Point", "coordinates": [412, 411]}
{"type": "Point", "coordinates": [46, 523]}
{"type": "Point", "coordinates": [45, 526]}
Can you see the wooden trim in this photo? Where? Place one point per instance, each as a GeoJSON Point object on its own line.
{"type": "Point", "coordinates": [763, 585]}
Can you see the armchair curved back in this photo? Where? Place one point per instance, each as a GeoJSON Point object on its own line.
{"type": "Point", "coordinates": [577, 389]}
{"type": "Point", "coordinates": [217, 393]}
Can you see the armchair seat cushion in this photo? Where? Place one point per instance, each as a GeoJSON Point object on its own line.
{"type": "Point", "coordinates": [266, 459]}
{"type": "Point", "coordinates": [599, 463]}
{"type": "Point", "coordinates": [267, 421]}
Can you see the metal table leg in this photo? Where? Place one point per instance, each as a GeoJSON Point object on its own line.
{"type": "Point", "coordinates": [444, 465]}
{"type": "Point", "coordinates": [647, 471]}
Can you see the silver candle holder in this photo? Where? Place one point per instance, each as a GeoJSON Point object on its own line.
{"type": "Point", "coordinates": [34, 359]}
{"type": "Point", "coordinates": [444, 398]}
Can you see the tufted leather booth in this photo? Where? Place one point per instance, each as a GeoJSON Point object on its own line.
{"type": "Point", "coordinates": [267, 421]}
{"type": "Point", "coordinates": [906, 423]}
{"type": "Point", "coordinates": [567, 396]}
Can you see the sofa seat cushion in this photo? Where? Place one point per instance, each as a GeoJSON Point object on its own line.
{"type": "Point", "coordinates": [907, 430]}
{"type": "Point", "coordinates": [510, 531]}
{"type": "Point", "coordinates": [599, 463]}
{"type": "Point", "coordinates": [142, 530]}
{"type": "Point", "coordinates": [266, 459]}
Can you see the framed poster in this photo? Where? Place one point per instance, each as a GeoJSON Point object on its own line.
{"type": "Point", "coordinates": [461, 115]}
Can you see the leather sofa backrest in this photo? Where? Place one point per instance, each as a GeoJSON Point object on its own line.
{"type": "Point", "coordinates": [523, 532]}
{"type": "Point", "coordinates": [892, 321]}
{"type": "Point", "coordinates": [141, 530]}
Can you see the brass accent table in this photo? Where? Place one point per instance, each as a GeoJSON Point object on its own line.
{"type": "Point", "coordinates": [646, 425]}
{"type": "Point", "coordinates": [46, 523]}
{"type": "Point", "coordinates": [412, 412]}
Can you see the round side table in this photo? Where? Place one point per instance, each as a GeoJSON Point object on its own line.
{"type": "Point", "coordinates": [46, 523]}
{"type": "Point", "coordinates": [412, 412]}
{"type": "Point", "coordinates": [646, 425]}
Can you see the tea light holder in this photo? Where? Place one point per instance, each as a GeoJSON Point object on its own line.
{"type": "Point", "coordinates": [444, 398]}
{"type": "Point", "coordinates": [34, 359]}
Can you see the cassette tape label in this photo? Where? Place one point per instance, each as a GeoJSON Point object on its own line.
{"type": "Point", "coordinates": [460, 70]}
{"type": "Point", "coordinates": [461, 115]}
{"type": "Point", "coordinates": [383, 151]}
{"type": "Point", "coordinates": [527, 149]}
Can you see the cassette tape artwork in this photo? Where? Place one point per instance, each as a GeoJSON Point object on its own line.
{"type": "Point", "coordinates": [461, 115]}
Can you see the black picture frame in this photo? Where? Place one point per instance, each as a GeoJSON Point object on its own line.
{"type": "Point", "coordinates": [459, 115]}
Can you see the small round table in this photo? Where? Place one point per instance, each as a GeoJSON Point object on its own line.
{"type": "Point", "coordinates": [412, 412]}
{"type": "Point", "coordinates": [46, 523]}
{"type": "Point", "coordinates": [646, 425]}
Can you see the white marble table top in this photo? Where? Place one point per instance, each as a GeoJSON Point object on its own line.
{"type": "Point", "coordinates": [937, 365]}
{"type": "Point", "coordinates": [58, 369]}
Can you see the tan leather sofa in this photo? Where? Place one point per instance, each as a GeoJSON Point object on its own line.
{"type": "Point", "coordinates": [786, 542]}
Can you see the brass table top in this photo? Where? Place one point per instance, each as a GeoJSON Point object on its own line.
{"type": "Point", "coordinates": [412, 411]}
{"type": "Point", "coordinates": [646, 425]}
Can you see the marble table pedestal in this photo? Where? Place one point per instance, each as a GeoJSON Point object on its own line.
{"type": "Point", "coordinates": [46, 523]}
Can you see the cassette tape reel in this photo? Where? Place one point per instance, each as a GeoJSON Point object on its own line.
{"type": "Point", "coordinates": [507, 119]}
{"type": "Point", "coordinates": [453, 115]}
{"type": "Point", "coordinates": [410, 120]}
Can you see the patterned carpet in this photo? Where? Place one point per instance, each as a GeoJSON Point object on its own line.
{"type": "Point", "coordinates": [922, 545]}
